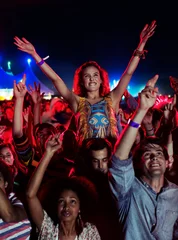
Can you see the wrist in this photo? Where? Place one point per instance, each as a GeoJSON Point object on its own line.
{"type": "Point", "coordinates": [19, 98]}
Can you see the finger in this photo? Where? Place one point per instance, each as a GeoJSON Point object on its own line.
{"type": "Point", "coordinates": [17, 44]}
{"type": "Point", "coordinates": [36, 89]}
{"type": "Point", "coordinates": [15, 85]}
{"type": "Point", "coordinates": [42, 95]}
{"type": "Point", "coordinates": [151, 34]}
{"type": "Point", "coordinates": [152, 81]}
{"type": "Point", "coordinates": [18, 39]}
{"type": "Point", "coordinates": [24, 79]}
{"type": "Point", "coordinates": [174, 100]}
{"type": "Point", "coordinates": [145, 27]}
{"type": "Point", "coordinates": [39, 87]}
{"type": "Point", "coordinates": [21, 49]}
{"type": "Point", "coordinates": [153, 22]}
{"type": "Point", "coordinates": [25, 40]}
{"type": "Point", "coordinates": [30, 87]}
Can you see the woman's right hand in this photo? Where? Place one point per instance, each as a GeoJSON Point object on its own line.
{"type": "Point", "coordinates": [24, 45]}
{"type": "Point", "coordinates": [53, 144]}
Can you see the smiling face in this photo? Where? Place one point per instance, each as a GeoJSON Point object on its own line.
{"type": "Point", "coordinates": [153, 161]}
{"type": "Point", "coordinates": [68, 206]}
{"type": "Point", "coordinates": [91, 78]}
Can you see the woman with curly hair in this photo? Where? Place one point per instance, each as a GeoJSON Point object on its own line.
{"type": "Point", "coordinates": [92, 101]}
{"type": "Point", "coordinates": [68, 199]}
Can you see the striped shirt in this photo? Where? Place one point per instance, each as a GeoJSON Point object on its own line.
{"type": "Point", "coordinates": [16, 230]}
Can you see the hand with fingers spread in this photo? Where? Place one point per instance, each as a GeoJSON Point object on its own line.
{"type": "Point", "coordinates": [148, 31]}
{"type": "Point", "coordinates": [53, 144]}
{"type": "Point", "coordinates": [20, 89]}
{"type": "Point", "coordinates": [35, 93]}
{"type": "Point", "coordinates": [24, 45]}
{"type": "Point", "coordinates": [149, 94]}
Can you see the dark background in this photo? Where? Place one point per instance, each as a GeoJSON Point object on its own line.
{"type": "Point", "coordinates": [73, 32]}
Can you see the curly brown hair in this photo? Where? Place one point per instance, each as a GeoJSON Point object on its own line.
{"type": "Point", "coordinates": [80, 90]}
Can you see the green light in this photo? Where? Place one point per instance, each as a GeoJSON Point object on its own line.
{"type": "Point", "coordinates": [9, 65]}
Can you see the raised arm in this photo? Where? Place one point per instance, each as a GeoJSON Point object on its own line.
{"type": "Point", "coordinates": [117, 92]}
{"type": "Point", "coordinates": [61, 87]}
{"type": "Point", "coordinates": [34, 204]}
{"type": "Point", "coordinates": [37, 99]}
{"type": "Point", "coordinates": [19, 93]}
{"type": "Point", "coordinates": [147, 100]}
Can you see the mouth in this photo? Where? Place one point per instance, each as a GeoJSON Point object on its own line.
{"type": "Point", "coordinates": [66, 214]}
{"type": "Point", "coordinates": [155, 165]}
{"type": "Point", "coordinates": [92, 84]}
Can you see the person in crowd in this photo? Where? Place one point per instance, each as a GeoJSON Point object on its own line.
{"type": "Point", "coordinates": [13, 219]}
{"type": "Point", "coordinates": [68, 202]}
{"type": "Point", "coordinates": [146, 200]}
{"type": "Point", "coordinates": [92, 101]}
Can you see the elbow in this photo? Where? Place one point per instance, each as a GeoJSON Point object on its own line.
{"type": "Point", "coordinates": [29, 194]}
{"type": "Point", "coordinates": [9, 217]}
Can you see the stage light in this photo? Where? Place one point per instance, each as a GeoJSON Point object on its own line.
{"type": "Point", "coordinates": [29, 60]}
{"type": "Point", "coordinates": [9, 65]}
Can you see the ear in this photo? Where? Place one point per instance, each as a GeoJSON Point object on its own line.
{"type": "Point", "coordinates": [5, 184]}
{"type": "Point", "coordinates": [167, 163]}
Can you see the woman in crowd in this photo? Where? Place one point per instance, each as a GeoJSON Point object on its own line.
{"type": "Point", "coordinates": [92, 101]}
{"type": "Point", "coordinates": [68, 200]}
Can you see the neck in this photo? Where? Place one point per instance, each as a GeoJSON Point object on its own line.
{"type": "Point", "coordinates": [93, 95]}
{"type": "Point", "coordinates": [68, 228]}
{"type": "Point", "coordinates": [156, 183]}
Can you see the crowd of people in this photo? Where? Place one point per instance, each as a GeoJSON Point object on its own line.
{"type": "Point", "coordinates": [83, 166]}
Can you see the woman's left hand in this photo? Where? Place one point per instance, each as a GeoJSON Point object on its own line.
{"type": "Point", "coordinates": [148, 31]}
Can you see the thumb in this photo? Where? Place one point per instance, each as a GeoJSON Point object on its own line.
{"type": "Point", "coordinates": [24, 79]}
{"type": "Point", "coordinates": [152, 81]}
{"type": "Point", "coordinates": [15, 85]}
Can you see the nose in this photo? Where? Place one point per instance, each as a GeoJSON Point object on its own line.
{"type": "Point", "coordinates": [153, 157]}
{"type": "Point", "coordinates": [66, 206]}
{"type": "Point", "coordinates": [100, 165]}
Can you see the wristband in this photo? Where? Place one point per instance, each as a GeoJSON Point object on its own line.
{"type": "Point", "coordinates": [40, 63]}
{"type": "Point", "coordinates": [133, 124]}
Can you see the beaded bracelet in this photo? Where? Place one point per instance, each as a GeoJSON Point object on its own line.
{"type": "Point", "coordinates": [140, 54]}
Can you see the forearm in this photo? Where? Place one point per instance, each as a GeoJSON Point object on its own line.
{"type": "Point", "coordinates": [128, 136]}
{"type": "Point", "coordinates": [150, 132]}
{"type": "Point", "coordinates": [50, 73]}
{"type": "Point", "coordinates": [125, 78]}
{"type": "Point", "coordinates": [18, 118]}
{"type": "Point", "coordinates": [37, 177]}
{"type": "Point", "coordinates": [36, 113]}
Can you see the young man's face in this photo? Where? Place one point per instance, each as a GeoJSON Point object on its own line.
{"type": "Point", "coordinates": [153, 162]}
{"type": "Point", "coordinates": [100, 160]}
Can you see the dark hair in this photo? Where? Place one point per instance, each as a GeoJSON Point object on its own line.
{"type": "Point", "coordinates": [17, 164]}
{"type": "Point", "coordinates": [84, 189]}
{"type": "Point", "coordinates": [95, 144]}
{"type": "Point", "coordinates": [8, 176]}
{"type": "Point", "coordinates": [139, 149]}
{"type": "Point", "coordinates": [83, 161]}
{"type": "Point", "coordinates": [79, 88]}
{"type": "Point", "coordinates": [40, 126]}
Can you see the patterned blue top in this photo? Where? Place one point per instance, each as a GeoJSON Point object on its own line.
{"type": "Point", "coordinates": [98, 119]}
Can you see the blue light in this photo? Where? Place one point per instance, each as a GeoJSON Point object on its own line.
{"type": "Point", "coordinates": [29, 60]}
